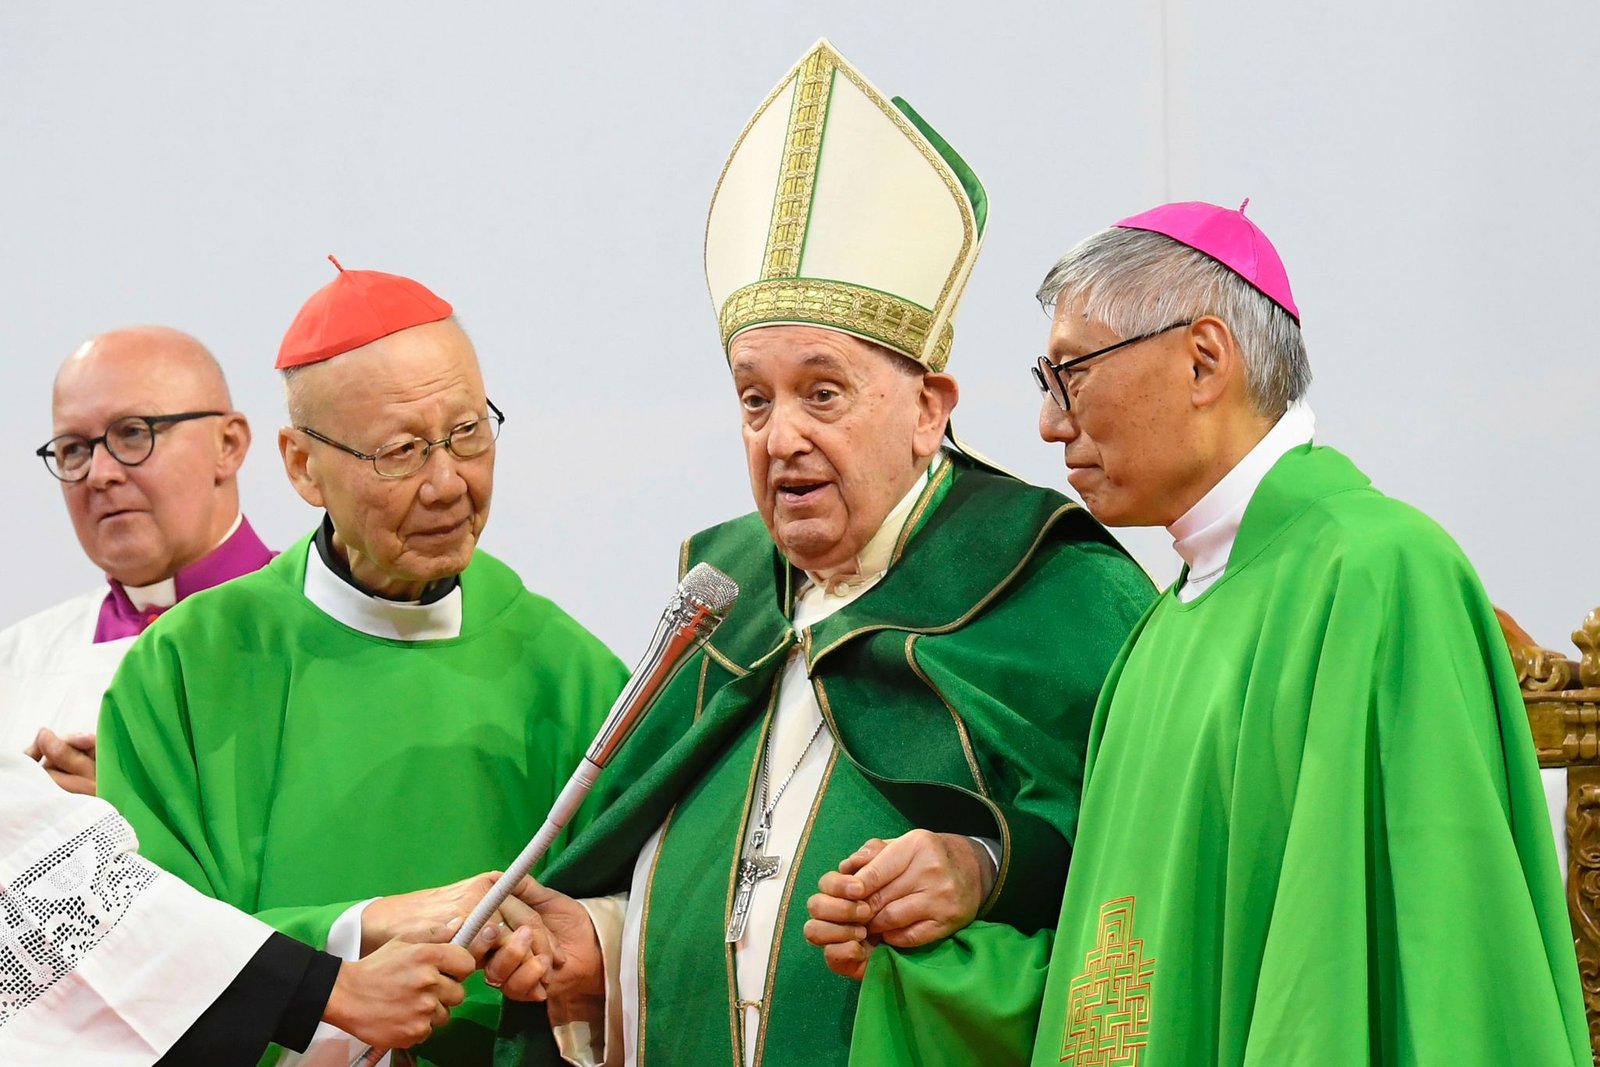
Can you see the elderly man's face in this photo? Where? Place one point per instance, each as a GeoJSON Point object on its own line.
{"type": "Point", "coordinates": [398, 534]}
{"type": "Point", "coordinates": [835, 434]}
{"type": "Point", "coordinates": [141, 524]}
{"type": "Point", "coordinates": [1130, 448]}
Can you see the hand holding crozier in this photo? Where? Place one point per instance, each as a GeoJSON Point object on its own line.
{"type": "Point", "coordinates": [702, 600]}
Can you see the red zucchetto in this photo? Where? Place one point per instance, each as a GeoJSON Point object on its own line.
{"type": "Point", "coordinates": [356, 308]}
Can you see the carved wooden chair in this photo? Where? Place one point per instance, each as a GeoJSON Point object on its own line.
{"type": "Point", "coordinates": [1563, 700]}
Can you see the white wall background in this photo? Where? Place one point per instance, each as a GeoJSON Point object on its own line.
{"type": "Point", "coordinates": [1427, 171]}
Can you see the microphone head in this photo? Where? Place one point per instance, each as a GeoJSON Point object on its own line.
{"type": "Point", "coordinates": [710, 588]}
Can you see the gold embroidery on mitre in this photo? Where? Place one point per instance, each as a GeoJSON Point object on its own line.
{"type": "Point", "coordinates": [802, 146]}
{"type": "Point", "coordinates": [1108, 1005]}
{"type": "Point", "coordinates": [879, 316]}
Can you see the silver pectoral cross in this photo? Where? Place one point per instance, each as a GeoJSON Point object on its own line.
{"type": "Point", "coordinates": [754, 866]}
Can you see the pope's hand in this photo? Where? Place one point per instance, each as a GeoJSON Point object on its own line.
{"type": "Point", "coordinates": [398, 995]}
{"type": "Point", "coordinates": [517, 961]}
{"type": "Point", "coordinates": [909, 891]}
{"type": "Point", "coordinates": [577, 968]}
{"type": "Point", "coordinates": [845, 945]}
{"type": "Point", "coordinates": [426, 915]}
{"type": "Point", "coordinates": [69, 760]}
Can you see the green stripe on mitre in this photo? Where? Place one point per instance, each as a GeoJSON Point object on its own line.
{"type": "Point", "coordinates": [969, 179]}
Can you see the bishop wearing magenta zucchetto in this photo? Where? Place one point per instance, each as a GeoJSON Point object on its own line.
{"type": "Point", "coordinates": [1313, 830]}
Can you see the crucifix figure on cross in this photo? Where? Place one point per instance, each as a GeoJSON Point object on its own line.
{"type": "Point", "coordinates": [754, 866]}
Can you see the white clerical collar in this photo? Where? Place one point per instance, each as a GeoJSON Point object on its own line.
{"type": "Point", "coordinates": [394, 620]}
{"type": "Point", "coordinates": [163, 594]}
{"type": "Point", "coordinates": [820, 598]}
{"type": "Point", "coordinates": [1205, 534]}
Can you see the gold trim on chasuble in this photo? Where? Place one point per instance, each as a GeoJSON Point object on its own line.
{"type": "Point", "coordinates": [1003, 868]}
{"type": "Point", "coordinates": [644, 930]}
{"type": "Point", "coordinates": [733, 877]}
{"type": "Point", "coordinates": [1108, 1005]}
{"type": "Point", "coordinates": [700, 690]}
{"type": "Point", "coordinates": [941, 474]}
{"type": "Point", "coordinates": [782, 295]}
{"type": "Point", "coordinates": [961, 726]}
{"type": "Point", "coordinates": [783, 909]}
{"type": "Point", "coordinates": [969, 614]}
{"type": "Point", "coordinates": [735, 1011]}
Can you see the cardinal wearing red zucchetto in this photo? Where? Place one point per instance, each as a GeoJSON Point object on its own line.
{"type": "Point", "coordinates": [348, 741]}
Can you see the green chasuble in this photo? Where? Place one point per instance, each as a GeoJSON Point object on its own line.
{"type": "Point", "coordinates": [1313, 831]}
{"type": "Point", "coordinates": [292, 766]}
{"type": "Point", "coordinates": [959, 692]}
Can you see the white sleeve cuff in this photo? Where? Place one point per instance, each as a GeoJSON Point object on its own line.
{"type": "Point", "coordinates": [590, 1034]}
{"type": "Point", "coordinates": [344, 936]}
{"type": "Point", "coordinates": [331, 1046]}
{"type": "Point", "coordinates": [992, 847]}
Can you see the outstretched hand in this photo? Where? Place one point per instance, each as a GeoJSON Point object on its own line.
{"type": "Point", "coordinates": [424, 915]}
{"type": "Point", "coordinates": [396, 996]}
{"type": "Point", "coordinates": [576, 968]}
{"type": "Point", "coordinates": [909, 891]}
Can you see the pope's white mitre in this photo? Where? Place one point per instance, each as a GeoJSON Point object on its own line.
{"type": "Point", "coordinates": [839, 207]}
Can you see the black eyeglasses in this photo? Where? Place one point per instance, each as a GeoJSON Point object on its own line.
{"type": "Point", "coordinates": [129, 440]}
{"type": "Point", "coordinates": [401, 459]}
{"type": "Point", "coordinates": [1050, 377]}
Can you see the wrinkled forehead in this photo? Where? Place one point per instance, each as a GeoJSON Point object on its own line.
{"type": "Point", "coordinates": [1073, 324]}
{"type": "Point", "coordinates": [424, 362]}
{"type": "Point", "coordinates": [778, 350]}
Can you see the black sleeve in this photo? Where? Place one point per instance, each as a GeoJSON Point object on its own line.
{"type": "Point", "coordinates": [279, 996]}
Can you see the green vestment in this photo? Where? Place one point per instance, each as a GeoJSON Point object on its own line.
{"type": "Point", "coordinates": [958, 690]}
{"type": "Point", "coordinates": [293, 767]}
{"type": "Point", "coordinates": [1313, 831]}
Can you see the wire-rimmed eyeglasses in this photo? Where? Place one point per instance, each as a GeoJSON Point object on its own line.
{"type": "Point", "coordinates": [1050, 377]}
{"type": "Point", "coordinates": [129, 440]}
{"type": "Point", "coordinates": [401, 459]}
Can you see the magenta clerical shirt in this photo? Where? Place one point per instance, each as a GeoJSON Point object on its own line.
{"type": "Point", "coordinates": [241, 553]}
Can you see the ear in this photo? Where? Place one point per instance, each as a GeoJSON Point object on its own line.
{"type": "Point", "coordinates": [936, 399]}
{"type": "Point", "coordinates": [1215, 361]}
{"type": "Point", "coordinates": [297, 465]}
{"type": "Point", "coordinates": [234, 438]}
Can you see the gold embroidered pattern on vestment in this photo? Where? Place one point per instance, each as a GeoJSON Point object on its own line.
{"type": "Point", "coordinates": [878, 316]}
{"type": "Point", "coordinates": [1108, 1005]}
{"type": "Point", "coordinates": [802, 146]}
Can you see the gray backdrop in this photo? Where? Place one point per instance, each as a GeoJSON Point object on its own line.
{"type": "Point", "coordinates": [1427, 171]}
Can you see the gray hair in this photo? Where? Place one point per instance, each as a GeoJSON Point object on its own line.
{"type": "Point", "coordinates": [295, 398]}
{"type": "Point", "coordinates": [1136, 281]}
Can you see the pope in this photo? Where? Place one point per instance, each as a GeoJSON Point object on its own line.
{"type": "Point", "coordinates": [917, 645]}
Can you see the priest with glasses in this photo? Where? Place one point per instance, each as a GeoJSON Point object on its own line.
{"type": "Point", "coordinates": [146, 447]}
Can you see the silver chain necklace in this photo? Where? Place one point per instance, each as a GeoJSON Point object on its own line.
{"type": "Point", "coordinates": [754, 864]}
{"type": "Point", "coordinates": [768, 807]}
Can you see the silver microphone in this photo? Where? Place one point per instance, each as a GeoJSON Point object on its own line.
{"type": "Point", "coordinates": [702, 600]}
